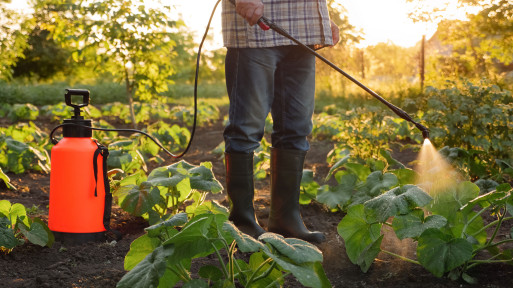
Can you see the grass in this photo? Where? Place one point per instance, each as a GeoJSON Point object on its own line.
{"type": "Point", "coordinates": [103, 93]}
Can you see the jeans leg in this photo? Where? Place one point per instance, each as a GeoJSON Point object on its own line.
{"type": "Point", "coordinates": [249, 82]}
{"type": "Point", "coordinates": [293, 104]}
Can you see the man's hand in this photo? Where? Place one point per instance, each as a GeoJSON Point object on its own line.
{"type": "Point", "coordinates": [335, 33]}
{"type": "Point", "coordinates": [251, 10]}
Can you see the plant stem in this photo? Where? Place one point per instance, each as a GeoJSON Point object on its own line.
{"type": "Point", "coordinates": [501, 218]}
{"type": "Point", "coordinates": [388, 224]}
{"type": "Point", "coordinates": [490, 225]}
{"type": "Point", "coordinates": [257, 270]}
{"type": "Point", "coordinates": [180, 273]}
{"type": "Point", "coordinates": [266, 273]}
{"type": "Point", "coordinates": [472, 220]}
{"type": "Point", "coordinates": [184, 271]}
{"type": "Point", "coordinates": [225, 272]}
{"type": "Point", "coordinates": [401, 257]}
{"type": "Point", "coordinates": [500, 243]}
{"type": "Point", "coordinates": [477, 262]}
{"type": "Point", "coordinates": [231, 251]}
{"type": "Point", "coordinates": [277, 280]}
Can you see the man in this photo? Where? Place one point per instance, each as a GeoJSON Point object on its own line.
{"type": "Point", "coordinates": [266, 72]}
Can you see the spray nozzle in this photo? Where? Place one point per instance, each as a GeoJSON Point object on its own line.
{"type": "Point", "coordinates": [423, 129]}
{"type": "Point", "coordinates": [85, 100]}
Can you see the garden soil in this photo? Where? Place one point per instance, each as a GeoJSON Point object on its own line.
{"type": "Point", "coordinates": [101, 264]}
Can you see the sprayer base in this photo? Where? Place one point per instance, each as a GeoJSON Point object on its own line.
{"type": "Point", "coordinates": [79, 238]}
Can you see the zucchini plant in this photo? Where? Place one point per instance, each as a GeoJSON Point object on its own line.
{"type": "Point", "coordinates": [165, 190]}
{"type": "Point", "coordinates": [16, 226]}
{"type": "Point", "coordinates": [449, 230]}
{"type": "Point", "coordinates": [163, 256]}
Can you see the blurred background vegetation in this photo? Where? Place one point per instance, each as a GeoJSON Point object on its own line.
{"type": "Point", "coordinates": [124, 51]}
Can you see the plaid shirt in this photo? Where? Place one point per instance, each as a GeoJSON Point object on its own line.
{"type": "Point", "coordinates": [306, 20]}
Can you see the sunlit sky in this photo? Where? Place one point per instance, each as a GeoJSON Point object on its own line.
{"type": "Point", "coordinates": [380, 20]}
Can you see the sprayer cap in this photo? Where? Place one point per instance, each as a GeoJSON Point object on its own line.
{"type": "Point", "coordinates": [76, 130]}
{"type": "Point", "coordinates": [85, 100]}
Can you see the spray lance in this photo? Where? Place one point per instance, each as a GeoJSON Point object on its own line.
{"type": "Point", "coordinates": [266, 24]}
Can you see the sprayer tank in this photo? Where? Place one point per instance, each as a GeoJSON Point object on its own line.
{"type": "Point", "coordinates": [74, 207]}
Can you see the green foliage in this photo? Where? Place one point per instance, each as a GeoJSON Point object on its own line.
{"type": "Point", "coordinates": [356, 183]}
{"type": "Point", "coordinates": [450, 234]}
{"type": "Point", "coordinates": [21, 112]}
{"type": "Point", "coordinates": [480, 46]}
{"type": "Point", "coordinates": [43, 58]}
{"type": "Point", "coordinates": [362, 130]}
{"type": "Point", "coordinates": [16, 226]}
{"type": "Point", "coordinates": [16, 156]}
{"type": "Point", "coordinates": [6, 180]}
{"type": "Point", "coordinates": [124, 154]}
{"type": "Point", "coordinates": [162, 257]}
{"type": "Point", "coordinates": [13, 40]}
{"type": "Point", "coordinates": [471, 117]}
{"type": "Point", "coordinates": [165, 190]}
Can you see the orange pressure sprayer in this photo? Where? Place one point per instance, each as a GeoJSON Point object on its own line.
{"type": "Point", "coordinates": [80, 199]}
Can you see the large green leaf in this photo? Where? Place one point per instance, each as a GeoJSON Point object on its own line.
{"type": "Point", "coordinates": [413, 224]}
{"type": "Point", "coordinates": [210, 272]}
{"type": "Point", "coordinates": [377, 182]}
{"type": "Point", "coordinates": [368, 254]}
{"type": "Point", "coordinates": [16, 146]}
{"type": "Point", "coordinates": [7, 238]}
{"type": "Point", "coordinates": [362, 171]}
{"type": "Point", "coordinates": [202, 178]}
{"type": "Point", "coordinates": [177, 220]}
{"type": "Point", "coordinates": [397, 201]}
{"type": "Point", "coordinates": [137, 199]}
{"type": "Point", "coordinates": [36, 233]}
{"type": "Point", "coordinates": [246, 243]}
{"type": "Point", "coordinates": [148, 272]}
{"type": "Point", "coordinates": [6, 180]}
{"type": "Point", "coordinates": [255, 260]}
{"type": "Point", "coordinates": [208, 207]}
{"type": "Point", "coordinates": [310, 274]}
{"type": "Point", "coordinates": [334, 196]}
{"type": "Point", "coordinates": [199, 177]}
{"type": "Point", "coordinates": [5, 207]}
{"type": "Point", "coordinates": [297, 250]}
{"type": "Point", "coordinates": [405, 176]}
{"type": "Point", "coordinates": [447, 202]}
{"type": "Point", "coordinates": [197, 238]}
{"type": "Point", "coordinates": [440, 253]}
{"type": "Point", "coordinates": [13, 213]}
{"type": "Point", "coordinates": [161, 176]}
{"type": "Point", "coordinates": [139, 249]}
{"type": "Point", "coordinates": [340, 163]}
{"type": "Point", "coordinates": [358, 232]}
{"type": "Point", "coordinates": [390, 160]}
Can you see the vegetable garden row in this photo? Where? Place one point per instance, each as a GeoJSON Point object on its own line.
{"type": "Point", "coordinates": [465, 226]}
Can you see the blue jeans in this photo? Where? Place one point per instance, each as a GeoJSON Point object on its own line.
{"type": "Point", "coordinates": [280, 80]}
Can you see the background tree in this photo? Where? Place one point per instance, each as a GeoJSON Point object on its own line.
{"type": "Point", "coordinates": [344, 54]}
{"type": "Point", "coordinates": [128, 39]}
{"type": "Point", "coordinates": [387, 60]}
{"type": "Point", "coordinates": [13, 39]}
{"type": "Point", "coordinates": [481, 45]}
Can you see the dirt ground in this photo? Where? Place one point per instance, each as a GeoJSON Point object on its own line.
{"type": "Point", "coordinates": [101, 264]}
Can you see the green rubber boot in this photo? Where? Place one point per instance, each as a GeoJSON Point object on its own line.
{"type": "Point", "coordinates": [240, 189]}
{"type": "Point", "coordinates": [285, 216]}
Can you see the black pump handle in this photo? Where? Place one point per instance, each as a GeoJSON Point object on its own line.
{"type": "Point", "coordinates": [77, 92]}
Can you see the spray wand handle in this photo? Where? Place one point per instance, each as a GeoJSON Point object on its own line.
{"type": "Point", "coordinates": [260, 22]}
